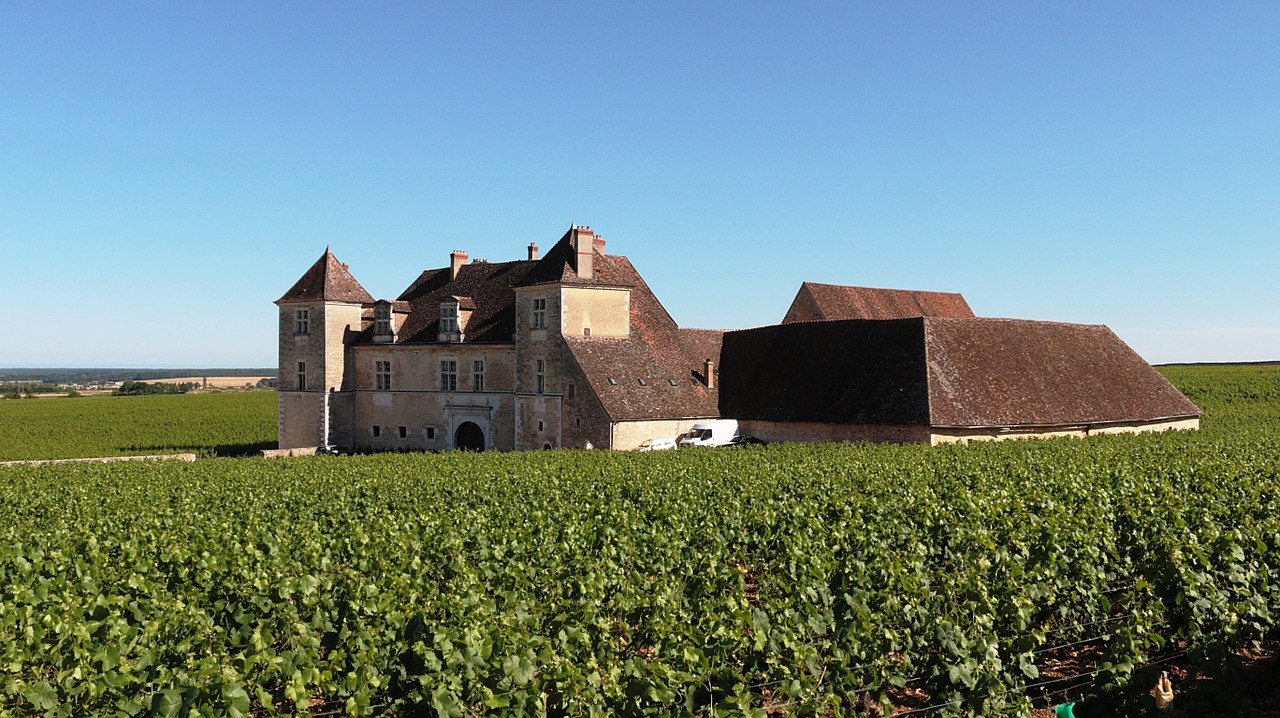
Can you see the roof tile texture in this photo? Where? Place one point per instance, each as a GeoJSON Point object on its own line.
{"type": "Point", "coordinates": [831, 302]}
{"type": "Point", "coordinates": [328, 280]}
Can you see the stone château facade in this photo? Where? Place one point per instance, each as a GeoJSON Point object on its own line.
{"type": "Point", "coordinates": [573, 350]}
{"type": "Point", "coordinates": [566, 350]}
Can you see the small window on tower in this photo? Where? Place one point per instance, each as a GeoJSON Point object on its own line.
{"type": "Point", "coordinates": [302, 321]}
{"type": "Point", "coordinates": [382, 375]}
{"type": "Point", "coordinates": [377, 431]}
{"type": "Point", "coordinates": [404, 432]}
{"type": "Point", "coordinates": [539, 375]}
{"type": "Point", "coordinates": [477, 375]}
{"type": "Point", "coordinates": [302, 376]}
{"type": "Point", "coordinates": [431, 432]}
{"type": "Point", "coordinates": [539, 319]}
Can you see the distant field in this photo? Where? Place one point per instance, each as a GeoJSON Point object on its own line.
{"type": "Point", "coordinates": [217, 382]}
{"type": "Point", "coordinates": [226, 424]}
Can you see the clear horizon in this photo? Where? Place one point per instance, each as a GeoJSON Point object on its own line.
{"type": "Point", "coordinates": [171, 170]}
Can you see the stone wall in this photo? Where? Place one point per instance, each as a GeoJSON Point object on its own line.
{"type": "Point", "coordinates": [964, 435]}
{"type": "Point", "coordinates": [605, 312]}
{"type": "Point", "coordinates": [301, 422]}
{"type": "Point", "coordinates": [776, 431]}
{"type": "Point", "coordinates": [417, 401]}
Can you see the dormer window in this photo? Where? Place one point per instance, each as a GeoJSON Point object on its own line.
{"type": "Point", "coordinates": [454, 312]}
{"type": "Point", "coordinates": [449, 317]}
{"type": "Point", "coordinates": [302, 321]}
{"type": "Point", "coordinates": [384, 328]}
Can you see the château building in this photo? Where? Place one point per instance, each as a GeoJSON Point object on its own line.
{"type": "Point", "coordinates": [573, 350]}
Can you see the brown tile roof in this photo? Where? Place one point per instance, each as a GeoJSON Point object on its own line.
{"type": "Point", "coordinates": [1002, 372]}
{"type": "Point", "coordinates": [669, 360]}
{"type": "Point", "coordinates": [328, 280]}
{"type": "Point", "coordinates": [943, 372]}
{"type": "Point", "coordinates": [831, 302]}
{"type": "Point", "coordinates": [556, 266]}
{"type": "Point", "coordinates": [487, 290]}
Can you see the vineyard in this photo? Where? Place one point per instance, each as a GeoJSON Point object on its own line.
{"type": "Point", "coordinates": [828, 580]}
{"type": "Point", "coordinates": [83, 427]}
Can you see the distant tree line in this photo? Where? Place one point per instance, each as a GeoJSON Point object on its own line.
{"type": "Point", "coordinates": [89, 376]}
{"type": "Point", "coordinates": [27, 388]}
{"type": "Point", "coordinates": [137, 388]}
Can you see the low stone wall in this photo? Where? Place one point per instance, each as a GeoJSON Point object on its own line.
{"type": "Point", "coordinates": [788, 431]}
{"type": "Point", "coordinates": [104, 460]}
{"type": "Point", "coordinates": [285, 453]}
{"type": "Point", "coordinates": [964, 436]}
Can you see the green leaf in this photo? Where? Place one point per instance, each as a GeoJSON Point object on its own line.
{"type": "Point", "coordinates": [42, 695]}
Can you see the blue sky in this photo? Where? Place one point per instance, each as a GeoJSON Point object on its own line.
{"type": "Point", "coordinates": [168, 170]}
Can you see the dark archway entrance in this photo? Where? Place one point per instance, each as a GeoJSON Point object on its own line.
{"type": "Point", "coordinates": [469, 437]}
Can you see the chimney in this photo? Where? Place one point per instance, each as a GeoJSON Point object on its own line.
{"type": "Point", "coordinates": [598, 244]}
{"type": "Point", "coordinates": [456, 260]}
{"type": "Point", "coordinates": [533, 251]}
{"type": "Point", "coordinates": [709, 371]}
{"type": "Point", "coordinates": [583, 242]}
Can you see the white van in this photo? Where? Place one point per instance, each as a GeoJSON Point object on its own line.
{"type": "Point", "coordinates": [717, 432]}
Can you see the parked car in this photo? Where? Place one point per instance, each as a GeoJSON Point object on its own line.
{"type": "Point", "coordinates": [744, 441]}
{"type": "Point", "coordinates": [657, 444]}
{"type": "Point", "coordinates": [718, 432]}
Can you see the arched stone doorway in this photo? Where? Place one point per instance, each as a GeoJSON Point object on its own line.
{"type": "Point", "coordinates": [469, 437]}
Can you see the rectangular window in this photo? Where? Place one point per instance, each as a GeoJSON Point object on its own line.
{"type": "Point", "coordinates": [448, 375]}
{"type": "Point", "coordinates": [404, 432]}
{"type": "Point", "coordinates": [477, 375]}
{"type": "Point", "coordinates": [541, 426]}
{"type": "Point", "coordinates": [382, 375]}
{"type": "Point", "coordinates": [539, 375]}
{"type": "Point", "coordinates": [382, 319]}
{"type": "Point", "coordinates": [431, 432]}
{"type": "Point", "coordinates": [448, 317]}
{"type": "Point", "coordinates": [539, 314]}
{"type": "Point", "coordinates": [302, 321]}
{"type": "Point", "coordinates": [302, 376]}
{"type": "Point", "coordinates": [377, 431]}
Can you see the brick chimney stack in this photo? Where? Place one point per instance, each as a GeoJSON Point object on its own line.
{"type": "Point", "coordinates": [456, 259]}
{"type": "Point", "coordinates": [533, 251]}
{"type": "Point", "coordinates": [598, 244]}
{"type": "Point", "coordinates": [583, 242]}
{"type": "Point", "coordinates": [709, 371]}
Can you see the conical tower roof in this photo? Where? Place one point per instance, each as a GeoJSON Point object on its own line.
{"type": "Point", "coordinates": [328, 280]}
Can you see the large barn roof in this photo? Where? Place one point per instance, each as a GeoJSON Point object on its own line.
{"type": "Point", "coordinates": [942, 372]}
{"type": "Point", "coordinates": [1001, 372]}
{"type": "Point", "coordinates": [816, 302]}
